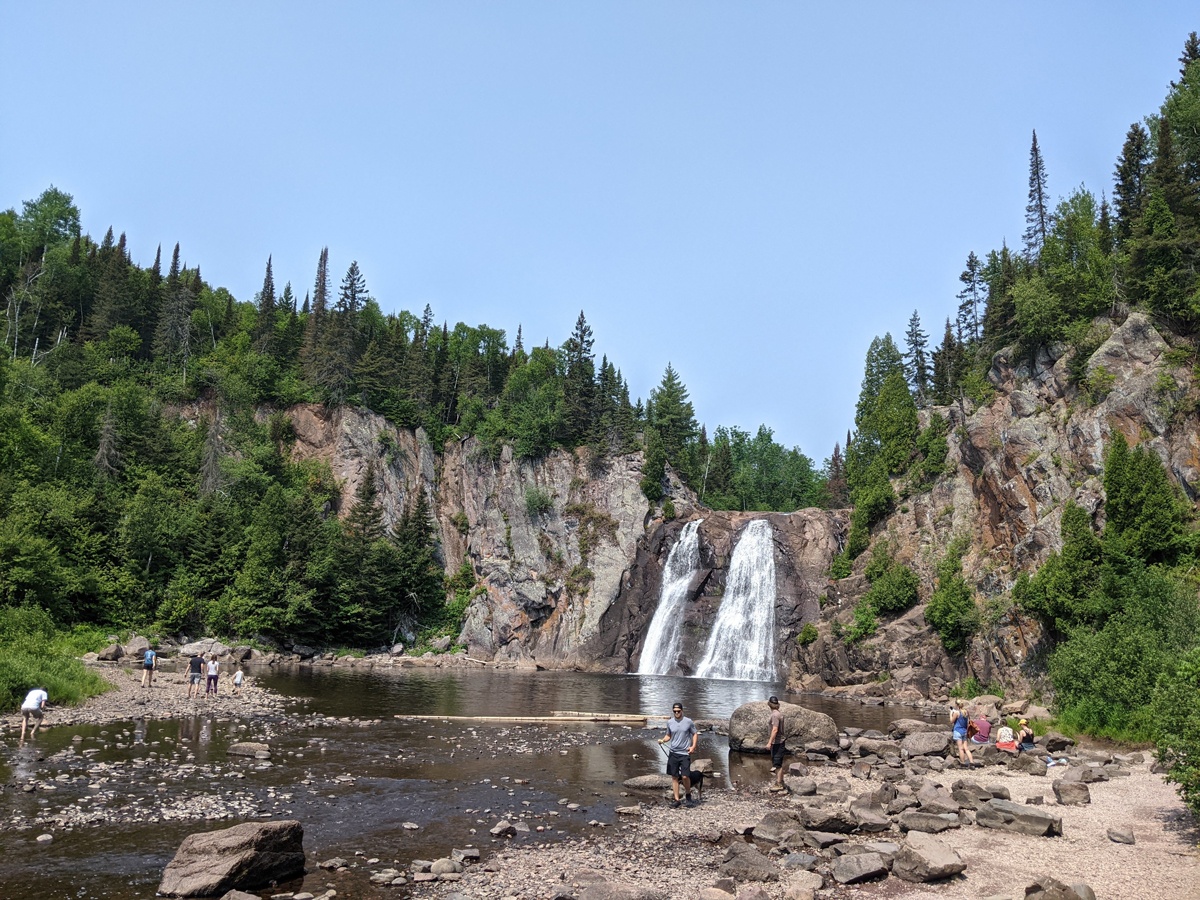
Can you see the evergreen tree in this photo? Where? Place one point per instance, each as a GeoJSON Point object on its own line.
{"type": "Point", "coordinates": [264, 324]}
{"type": "Point", "coordinates": [315, 324]}
{"type": "Point", "coordinates": [836, 489]}
{"type": "Point", "coordinates": [1001, 273]}
{"type": "Point", "coordinates": [173, 337]}
{"type": "Point", "coordinates": [916, 361]}
{"type": "Point", "coordinates": [970, 299]}
{"type": "Point", "coordinates": [579, 382]}
{"type": "Point", "coordinates": [1129, 190]}
{"type": "Point", "coordinates": [1166, 174]}
{"type": "Point", "coordinates": [671, 414]}
{"type": "Point", "coordinates": [1105, 228]}
{"type": "Point", "coordinates": [1037, 210]}
{"type": "Point", "coordinates": [1191, 53]}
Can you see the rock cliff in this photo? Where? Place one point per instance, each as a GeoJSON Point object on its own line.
{"type": "Point", "coordinates": [568, 554]}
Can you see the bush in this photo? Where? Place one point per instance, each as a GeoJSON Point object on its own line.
{"type": "Point", "coordinates": [864, 624]}
{"type": "Point", "coordinates": [537, 502]}
{"type": "Point", "coordinates": [668, 509]}
{"type": "Point", "coordinates": [895, 591]}
{"type": "Point", "coordinates": [33, 653]}
{"type": "Point", "coordinates": [951, 610]}
{"type": "Point", "coordinates": [1176, 726]}
{"type": "Point", "coordinates": [807, 634]}
{"type": "Point", "coordinates": [840, 568]}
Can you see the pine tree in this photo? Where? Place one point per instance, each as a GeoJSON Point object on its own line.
{"type": "Point", "coordinates": [1191, 53]}
{"type": "Point", "coordinates": [1037, 210]}
{"type": "Point", "coordinates": [264, 324]}
{"type": "Point", "coordinates": [1000, 273]}
{"type": "Point", "coordinates": [673, 418]}
{"type": "Point", "coordinates": [315, 325]}
{"type": "Point", "coordinates": [1166, 175]}
{"type": "Point", "coordinates": [173, 336]}
{"type": "Point", "coordinates": [916, 362]}
{"type": "Point", "coordinates": [579, 382]}
{"type": "Point", "coordinates": [1129, 189]}
{"type": "Point", "coordinates": [836, 489]}
{"type": "Point", "coordinates": [1104, 228]}
{"type": "Point", "coordinates": [970, 299]}
{"type": "Point", "coordinates": [108, 457]}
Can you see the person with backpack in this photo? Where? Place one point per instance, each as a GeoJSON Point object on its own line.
{"type": "Point", "coordinates": [149, 664]}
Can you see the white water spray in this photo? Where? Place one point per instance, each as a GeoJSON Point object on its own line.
{"type": "Point", "coordinates": [664, 636]}
{"type": "Point", "coordinates": [742, 642]}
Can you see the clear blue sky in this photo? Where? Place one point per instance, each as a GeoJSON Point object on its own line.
{"type": "Point", "coordinates": [751, 191]}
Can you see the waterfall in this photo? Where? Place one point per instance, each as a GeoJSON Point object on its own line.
{"type": "Point", "coordinates": [663, 637]}
{"type": "Point", "coordinates": [742, 642]}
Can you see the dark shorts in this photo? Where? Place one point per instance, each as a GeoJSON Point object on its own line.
{"type": "Point", "coordinates": [777, 753]}
{"type": "Point", "coordinates": [149, 666]}
{"type": "Point", "coordinates": [196, 676]}
{"type": "Point", "coordinates": [678, 765]}
{"type": "Point", "coordinates": [31, 713]}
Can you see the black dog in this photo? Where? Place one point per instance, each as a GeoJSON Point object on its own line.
{"type": "Point", "coordinates": [697, 782]}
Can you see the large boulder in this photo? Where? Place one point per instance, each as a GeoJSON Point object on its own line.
{"type": "Point", "coordinates": [244, 856]}
{"type": "Point", "coordinates": [902, 728]}
{"type": "Point", "coordinates": [776, 825]}
{"type": "Point", "coordinates": [924, 858]}
{"type": "Point", "coordinates": [653, 782]}
{"type": "Point", "coordinates": [111, 653]}
{"type": "Point", "coordinates": [1072, 793]}
{"type": "Point", "coordinates": [925, 743]}
{"type": "Point", "coordinates": [745, 863]}
{"type": "Point", "coordinates": [206, 647]}
{"type": "Point", "coordinates": [1009, 816]}
{"type": "Point", "coordinates": [136, 646]}
{"type": "Point", "coordinates": [859, 867]}
{"type": "Point", "coordinates": [749, 727]}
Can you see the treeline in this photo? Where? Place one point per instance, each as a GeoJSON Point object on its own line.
{"type": "Point", "coordinates": [115, 512]}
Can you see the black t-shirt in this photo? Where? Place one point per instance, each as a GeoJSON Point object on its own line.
{"type": "Point", "coordinates": [196, 666]}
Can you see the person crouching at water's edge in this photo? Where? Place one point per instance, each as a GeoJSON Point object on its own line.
{"type": "Point", "coordinates": [681, 744]}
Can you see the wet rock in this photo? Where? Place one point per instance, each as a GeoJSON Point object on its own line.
{"type": "Point", "coordinates": [336, 863]}
{"type": "Point", "coordinates": [1121, 835]}
{"type": "Point", "coordinates": [749, 727]}
{"type": "Point", "coordinates": [656, 782]}
{"type": "Point", "coordinates": [858, 868]}
{"type": "Point", "coordinates": [503, 828]}
{"type": "Point", "coordinates": [244, 856]}
{"type": "Point", "coordinates": [924, 858]}
{"type": "Point", "coordinates": [249, 748]}
{"type": "Point", "coordinates": [1009, 816]}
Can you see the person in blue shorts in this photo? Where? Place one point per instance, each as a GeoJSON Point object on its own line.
{"type": "Point", "coordinates": [959, 719]}
{"type": "Point", "coordinates": [681, 740]}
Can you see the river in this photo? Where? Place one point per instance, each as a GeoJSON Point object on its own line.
{"type": "Point", "coordinates": [357, 785]}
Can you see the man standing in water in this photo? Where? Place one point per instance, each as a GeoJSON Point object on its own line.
{"type": "Point", "coordinates": [681, 740]}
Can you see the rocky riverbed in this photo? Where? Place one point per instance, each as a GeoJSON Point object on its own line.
{"type": "Point", "coordinates": [506, 827]}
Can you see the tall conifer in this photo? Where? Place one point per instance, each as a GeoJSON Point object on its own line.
{"type": "Point", "coordinates": [1037, 210]}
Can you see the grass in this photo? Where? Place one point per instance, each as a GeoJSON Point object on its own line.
{"type": "Point", "coordinates": [35, 653]}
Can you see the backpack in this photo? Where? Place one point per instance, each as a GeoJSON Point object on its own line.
{"type": "Point", "coordinates": [149, 661]}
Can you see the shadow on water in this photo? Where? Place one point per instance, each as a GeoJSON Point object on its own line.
{"type": "Point", "coordinates": [354, 787]}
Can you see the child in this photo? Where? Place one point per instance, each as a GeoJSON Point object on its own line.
{"type": "Point", "coordinates": [238, 678]}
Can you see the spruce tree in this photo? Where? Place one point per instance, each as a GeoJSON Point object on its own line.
{"type": "Point", "coordinates": [1191, 53]}
{"type": "Point", "coordinates": [1037, 210]}
{"type": "Point", "coordinates": [264, 325]}
{"type": "Point", "coordinates": [1129, 189]}
{"type": "Point", "coordinates": [970, 299]}
{"type": "Point", "coordinates": [579, 382]}
{"type": "Point", "coordinates": [1166, 174]}
{"type": "Point", "coordinates": [916, 361]}
{"type": "Point", "coordinates": [315, 324]}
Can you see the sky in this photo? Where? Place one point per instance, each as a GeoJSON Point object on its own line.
{"type": "Point", "coordinates": [748, 191]}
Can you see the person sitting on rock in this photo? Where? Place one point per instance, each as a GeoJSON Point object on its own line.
{"type": "Point", "coordinates": [1025, 736]}
{"type": "Point", "coordinates": [1005, 739]}
{"type": "Point", "coordinates": [982, 732]}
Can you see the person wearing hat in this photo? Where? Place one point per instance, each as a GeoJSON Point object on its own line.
{"type": "Point", "coordinates": [681, 740]}
{"type": "Point", "coordinates": [775, 741]}
{"type": "Point", "coordinates": [1025, 736]}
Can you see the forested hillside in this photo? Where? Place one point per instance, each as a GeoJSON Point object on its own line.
{"type": "Point", "coordinates": [116, 511]}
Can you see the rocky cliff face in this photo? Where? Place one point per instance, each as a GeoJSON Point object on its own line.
{"type": "Point", "coordinates": [568, 554]}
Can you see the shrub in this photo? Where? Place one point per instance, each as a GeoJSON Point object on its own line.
{"type": "Point", "coordinates": [1176, 726]}
{"type": "Point", "coordinates": [864, 623]}
{"type": "Point", "coordinates": [895, 591]}
{"type": "Point", "coordinates": [33, 653]}
{"type": "Point", "coordinates": [537, 502]}
{"type": "Point", "coordinates": [807, 634]}
{"type": "Point", "coordinates": [840, 568]}
{"type": "Point", "coordinates": [951, 610]}
{"type": "Point", "coordinates": [668, 509]}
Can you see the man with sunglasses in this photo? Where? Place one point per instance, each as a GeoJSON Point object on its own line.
{"type": "Point", "coordinates": [681, 741]}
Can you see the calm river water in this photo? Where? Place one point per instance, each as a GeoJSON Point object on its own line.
{"type": "Point", "coordinates": [356, 787]}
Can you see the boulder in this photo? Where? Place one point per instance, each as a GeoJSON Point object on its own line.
{"type": "Point", "coordinates": [924, 858]}
{"type": "Point", "coordinates": [244, 856]}
{"type": "Point", "coordinates": [1057, 743]}
{"type": "Point", "coordinates": [136, 646]}
{"type": "Point", "coordinates": [776, 825]}
{"type": "Point", "coordinates": [745, 863]}
{"type": "Point", "coordinates": [111, 653]}
{"type": "Point", "coordinates": [1086, 775]}
{"type": "Point", "coordinates": [445, 866]}
{"type": "Point", "coordinates": [800, 787]}
{"type": "Point", "coordinates": [206, 647]}
{"type": "Point", "coordinates": [802, 886]}
{"type": "Point", "coordinates": [648, 782]}
{"type": "Point", "coordinates": [936, 799]}
{"type": "Point", "coordinates": [836, 821]}
{"type": "Point", "coordinates": [902, 728]}
{"type": "Point", "coordinates": [933, 823]}
{"type": "Point", "coordinates": [969, 795]}
{"type": "Point", "coordinates": [1071, 793]}
{"type": "Point", "coordinates": [1009, 816]}
{"type": "Point", "coordinates": [749, 727]}
{"type": "Point", "coordinates": [925, 743]}
{"type": "Point", "coordinates": [1047, 888]}
{"type": "Point", "coordinates": [1121, 835]}
{"type": "Point", "coordinates": [249, 748]}
{"type": "Point", "coordinates": [1028, 763]}
{"type": "Point", "coordinates": [859, 867]}
{"type": "Point", "coordinates": [869, 816]}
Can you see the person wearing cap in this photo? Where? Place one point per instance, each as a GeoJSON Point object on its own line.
{"type": "Point", "coordinates": [1025, 736]}
{"type": "Point", "coordinates": [775, 741]}
{"type": "Point", "coordinates": [681, 740]}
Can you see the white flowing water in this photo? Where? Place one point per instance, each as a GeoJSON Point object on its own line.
{"type": "Point", "coordinates": [742, 642]}
{"type": "Point", "coordinates": [664, 636]}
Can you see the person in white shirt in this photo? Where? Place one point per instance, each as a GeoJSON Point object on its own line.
{"type": "Point", "coordinates": [214, 667]}
{"type": "Point", "coordinates": [35, 701]}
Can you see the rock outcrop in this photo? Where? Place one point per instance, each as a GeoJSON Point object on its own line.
{"type": "Point", "coordinates": [244, 856]}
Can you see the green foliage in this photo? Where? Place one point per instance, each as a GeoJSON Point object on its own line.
{"type": "Point", "coordinates": [668, 509]}
{"type": "Point", "coordinates": [973, 687]}
{"type": "Point", "coordinates": [864, 623]}
{"type": "Point", "coordinates": [808, 634]}
{"type": "Point", "coordinates": [34, 652]}
{"type": "Point", "coordinates": [951, 610]}
{"type": "Point", "coordinates": [893, 591]}
{"type": "Point", "coordinates": [538, 502]}
{"type": "Point", "coordinates": [932, 447]}
{"type": "Point", "coordinates": [739, 471]}
{"type": "Point", "coordinates": [1176, 725]}
{"type": "Point", "coordinates": [840, 567]}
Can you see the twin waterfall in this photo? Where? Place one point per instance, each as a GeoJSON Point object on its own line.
{"type": "Point", "coordinates": [741, 644]}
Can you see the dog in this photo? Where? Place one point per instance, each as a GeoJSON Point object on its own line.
{"type": "Point", "coordinates": [696, 779]}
